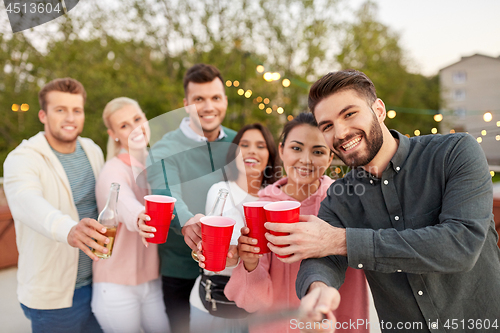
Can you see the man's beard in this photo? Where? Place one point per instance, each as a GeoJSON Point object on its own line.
{"type": "Point", "coordinates": [373, 144]}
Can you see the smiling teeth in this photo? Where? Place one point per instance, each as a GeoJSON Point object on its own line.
{"type": "Point", "coordinates": [351, 144]}
{"type": "Point", "coordinates": [251, 160]}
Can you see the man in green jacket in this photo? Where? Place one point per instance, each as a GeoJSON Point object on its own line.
{"type": "Point", "coordinates": [187, 162]}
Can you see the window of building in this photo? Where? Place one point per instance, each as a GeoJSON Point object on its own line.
{"type": "Point", "coordinates": [460, 112]}
{"type": "Point", "coordinates": [459, 77]}
{"type": "Point", "coordinates": [458, 94]}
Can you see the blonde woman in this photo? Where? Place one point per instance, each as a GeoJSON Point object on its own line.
{"type": "Point", "coordinates": [127, 294]}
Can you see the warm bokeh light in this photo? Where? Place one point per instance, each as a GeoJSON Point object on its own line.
{"type": "Point", "coordinates": [492, 173]}
{"type": "Point", "coordinates": [241, 91]}
{"type": "Point", "coordinates": [280, 110]}
{"type": "Point", "coordinates": [480, 139]}
{"type": "Point", "coordinates": [275, 107]}
{"type": "Point", "coordinates": [290, 117]}
{"type": "Point", "coordinates": [285, 83]}
{"type": "Point", "coordinates": [261, 106]}
{"type": "Point", "coordinates": [269, 110]}
{"type": "Point", "coordinates": [487, 117]}
{"type": "Point", "coordinates": [266, 100]}
{"type": "Point", "coordinates": [276, 76]}
{"type": "Point", "coordinates": [229, 83]}
{"type": "Point", "coordinates": [259, 99]}
{"type": "Point", "coordinates": [452, 131]}
{"type": "Point", "coordinates": [391, 114]}
{"type": "Point", "coordinates": [417, 132]}
{"type": "Point", "coordinates": [438, 117]}
{"type": "Point", "coordinates": [268, 76]}
{"type": "Point", "coordinates": [498, 123]}
{"type": "Point", "coordinates": [407, 135]}
{"type": "Point", "coordinates": [236, 83]}
{"type": "Point", "coordinates": [15, 107]}
{"type": "Point", "coordinates": [248, 93]}
{"type": "Point", "coordinates": [338, 170]}
{"type": "Point", "coordinates": [483, 132]}
{"type": "Point", "coordinates": [260, 68]}
{"type": "Point", "coordinates": [25, 107]}
{"type": "Point", "coordinates": [434, 130]}
{"type": "Point", "coordinates": [497, 137]}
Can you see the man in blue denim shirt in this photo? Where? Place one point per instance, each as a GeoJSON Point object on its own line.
{"type": "Point", "coordinates": [415, 214]}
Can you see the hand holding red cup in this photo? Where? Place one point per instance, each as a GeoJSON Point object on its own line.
{"type": "Point", "coordinates": [282, 212]}
{"type": "Point", "coordinates": [160, 209]}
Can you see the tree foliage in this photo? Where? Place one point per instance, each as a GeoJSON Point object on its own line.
{"type": "Point", "coordinates": [142, 48]}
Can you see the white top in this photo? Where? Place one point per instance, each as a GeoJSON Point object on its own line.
{"type": "Point", "coordinates": [233, 208]}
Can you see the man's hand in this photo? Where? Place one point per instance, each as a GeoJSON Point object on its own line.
{"type": "Point", "coordinates": [192, 231]}
{"type": "Point", "coordinates": [318, 306]}
{"type": "Point", "coordinates": [83, 234]}
{"type": "Point", "coordinates": [309, 238]}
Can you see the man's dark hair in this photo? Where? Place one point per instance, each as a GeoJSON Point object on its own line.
{"type": "Point", "coordinates": [334, 82]}
{"type": "Point", "coordinates": [67, 85]}
{"type": "Point", "coordinates": [201, 73]}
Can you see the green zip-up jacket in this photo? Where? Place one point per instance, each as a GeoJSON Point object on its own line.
{"type": "Point", "coordinates": [185, 169]}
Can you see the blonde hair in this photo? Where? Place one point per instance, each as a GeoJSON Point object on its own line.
{"type": "Point", "coordinates": [114, 105]}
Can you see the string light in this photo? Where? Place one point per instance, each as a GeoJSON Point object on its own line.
{"type": "Point", "coordinates": [438, 117]}
{"type": "Point", "coordinates": [269, 110]}
{"type": "Point", "coordinates": [259, 99]}
{"type": "Point", "coordinates": [15, 107]}
{"type": "Point", "coordinates": [498, 123]}
{"type": "Point", "coordinates": [266, 100]}
{"type": "Point", "coordinates": [391, 114]}
{"type": "Point", "coordinates": [497, 137]}
{"type": "Point", "coordinates": [492, 173]}
{"type": "Point", "coordinates": [483, 132]}
{"type": "Point", "coordinates": [480, 139]}
{"type": "Point", "coordinates": [280, 110]}
{"type": "Point", "coordinates": [241, 92]}
{"type": "Point", "coordinates": [25, 107]}
{"type": "Point", "coordinates": [248, 93]}
{"type": "Point", "coordinates": [290, 117]}
{"type": "Point", "coordinates": [434, 130]}
{"type": "Point", "coordinates": [261, 106]}
{"type": "Point", "coordinates": [260, 69]}
{"type": "Point", "coordinates": [276, 76]}
{"type": "Point", "coordinates": [487, 117]}
{"type": "Point", "coordinates": [417, 132]}
{"type": "Point", "coordinates": [236, 83]}
{"type": "Point", "coordinates": [452, 131]}
{"type": "Point", "coordinates": [286, 83]}
{"type": "Point", "coordinates": [268, 76]}
{"type": "Point", "coordinates": [228, 83]}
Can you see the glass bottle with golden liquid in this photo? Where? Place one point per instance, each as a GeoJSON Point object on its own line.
{"type": "Point", "coordinates": [109, 218]}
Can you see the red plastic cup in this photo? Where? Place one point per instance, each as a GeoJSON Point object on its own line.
{"type": "Point", "coordinates": [216, 232]}
{"type": "Point", "coordinates": [160, 209]}
{"type": "Point", "coordinates": [255, 217]}
{"type": "Point", "coordinates": [282, 212]}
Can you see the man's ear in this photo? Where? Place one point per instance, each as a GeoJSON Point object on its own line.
{"type": "Point", "coordinates": [379, 108]}
{"type": "Point", "coordinates": [42, 116]}
{"type": "Point", "coordinates": [185, 102]}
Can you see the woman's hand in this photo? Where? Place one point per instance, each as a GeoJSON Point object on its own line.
{"type": "Point", "coordinates": [231, 259]}
{"type": "Point", "coordinates": [247, 250]}
{"type": "Point", "coordinates": [146, 231]}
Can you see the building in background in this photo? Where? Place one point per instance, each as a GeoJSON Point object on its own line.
{"type": "Point", "coordinates": [470, 92]}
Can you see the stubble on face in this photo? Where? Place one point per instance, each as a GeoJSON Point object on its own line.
{"type": "Point", "coordinates": [373, 142]}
